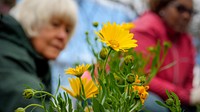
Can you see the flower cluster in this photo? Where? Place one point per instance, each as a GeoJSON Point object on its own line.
{"type": "Point", "coordinates": [117, 81]}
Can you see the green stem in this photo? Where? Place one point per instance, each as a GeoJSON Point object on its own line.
{"type": "Point", "coordinates": [49, 94]}
{"type": "Point", "coordinates": [104, 65]}
{"type": "Point", "coordinates": [83, 93]}
{"type": "Point", "coordinates": [82, 88]}
{"type": "Point", "coordinates": [34, 105]}
{"type": "Point", "coordinates": [105, 62]}
{"type": "Point", "coordinates": [157, 68]}
{"type": "Point", "coordinates": [128, 89]}
{"type": "Point", "coordinates": [87, 105]}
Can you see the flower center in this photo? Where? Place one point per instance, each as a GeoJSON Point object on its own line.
{"type": "Point", "coordinates": [114, 44]}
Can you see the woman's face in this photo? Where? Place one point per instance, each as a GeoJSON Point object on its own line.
{"type": "Point", "coordinates": [52, 39]}
{"type": "Point", "coordinates": [177, 14]}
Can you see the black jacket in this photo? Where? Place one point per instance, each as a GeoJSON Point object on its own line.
{"type": "Point", "coordinates": [20, 66]}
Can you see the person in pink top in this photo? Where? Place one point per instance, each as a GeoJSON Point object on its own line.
{"type": "Point", "coordinates": [168, 20]}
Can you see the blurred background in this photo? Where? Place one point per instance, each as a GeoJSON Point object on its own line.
{"type": "Point", "coordinates": [102, 11]}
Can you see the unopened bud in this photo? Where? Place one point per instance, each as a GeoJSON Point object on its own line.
{"type": "Point", "coordinates": [130, 78]}
{"type": "Point", "coordinates": [28, 93]}
{"type": "Point", "coordinates": [151, 49]}
{"type": "Point", "coordinates": [95, 24]}
{"type": "Point", "coordinates": [128, 60]}
{"type": "Point", "coordinates": [86, 33]}
{"type": "Point", "coordinates": [103, 53]}
{"type": "Point", "coordinates": [169, 102]}
{"type": "Point", "coordinates": [20, 109]}
{"type": "Point", "coordinates": [167, 44]}
{"type": "Point", "coordinates": [119, 80]}
{"type": "Point", "coordinates": [142, 79]}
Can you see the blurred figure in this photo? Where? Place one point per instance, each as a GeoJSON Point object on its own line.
{"type": "Point", "coordinates": [35, 32]}
{"type": "Point", "coordinates": [168, 20]}
{"type": "Point", "coordinates": [6, 5]}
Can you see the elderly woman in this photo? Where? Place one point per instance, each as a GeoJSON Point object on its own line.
{"type": "Point", "coordinates": [168, 20]}
{"type": "Point", "coordinates": [35, 32]}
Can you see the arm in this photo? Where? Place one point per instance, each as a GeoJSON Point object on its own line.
{"type": "Point", "coordinates": [159, 86]}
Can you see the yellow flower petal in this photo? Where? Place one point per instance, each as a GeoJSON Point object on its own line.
{"type": "Point", "coordinates": [117, 36]}
{"type": "Point", "coordinates": [90, 88]}
{"type": "Point", "coordinates": [68, 91]}
{"type": "Point", "coordinates": [78, 71]}
{"type": "Point", "coordinates": [128, 26]}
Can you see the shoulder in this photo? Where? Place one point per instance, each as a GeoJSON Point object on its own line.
{"type": "Point", "coordinates": [15, 57]}
{"type": "Point", "coordinates": [149, 22]}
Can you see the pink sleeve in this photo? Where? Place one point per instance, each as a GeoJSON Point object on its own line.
{"type": "Point", "coordinates": [159, 86]}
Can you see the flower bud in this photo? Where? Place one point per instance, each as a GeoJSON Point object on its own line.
{"type": "Point", "coordinates": [169, 102]}
{"type": "Point", "coordinates": [103, 53]}
{"type": "Point", "coordinates": [86, 33]}
{"type": "Point", "coordinates": [96, 38]}
{"type": "Point", "coordinates": [151, 49]}
{"type": "Point", "coordinates": [95, 24]}
{"type": "Point", "coordinates": [167, 44]}
{"type": "Point", "coordinates": [130, 78]}
{"type": "Point", "coordinates": [119, 80]}
{"type": "Point", "coordinates": [20, 109]}
{"type": "Point", "coordinates": [142, 79]}
{"type": "Point", "coordinates": [28, 93]}
{"type": "Point", "coordinates": [128, 60]}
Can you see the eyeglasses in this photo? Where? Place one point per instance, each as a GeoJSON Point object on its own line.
{"type": "Point", "coordinates": [181, 8]}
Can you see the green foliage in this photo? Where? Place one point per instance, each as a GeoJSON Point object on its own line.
{"type": "Point", "coordinates": [172, 103]}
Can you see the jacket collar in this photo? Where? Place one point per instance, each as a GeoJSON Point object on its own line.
{"type": "Point", "coordinates": [9, 26]}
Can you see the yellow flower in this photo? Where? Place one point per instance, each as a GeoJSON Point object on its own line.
{"type": "Point", "coordinates": [142, 92]}
{"type": "Point", "coordinates": [117, 37]}
{"type": "Point", "coordinates": [137, 80]}
{"type": "Point", "coordinates": [127, 26]}
{"type": "Point", "coordinates": [89, 87]}
{"type": "Point", "coordinates": [78, 71]}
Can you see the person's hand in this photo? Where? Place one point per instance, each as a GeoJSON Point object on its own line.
{"type": "Point", "coordinates": [195, 96]}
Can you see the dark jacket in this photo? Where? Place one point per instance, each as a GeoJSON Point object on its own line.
{"type": "Point", "coordinates": [20, 66]}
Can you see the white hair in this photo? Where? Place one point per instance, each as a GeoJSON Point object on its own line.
{"type": "Point", "coordinates": [33, 14]}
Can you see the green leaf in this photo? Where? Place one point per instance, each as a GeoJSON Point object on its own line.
{"type": "Point", "coordinates": [69, 102]}
{"type": "Point", "coordinates": [58, 86]}
{"type": "Point", "coordinates": [168, 94]}
{"type": "Point", "coordinates": [97, 106]}
{"type": "Point", "coordinates": [103, 93]}
{"type": "Point", "coordinates": [162, 104]}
